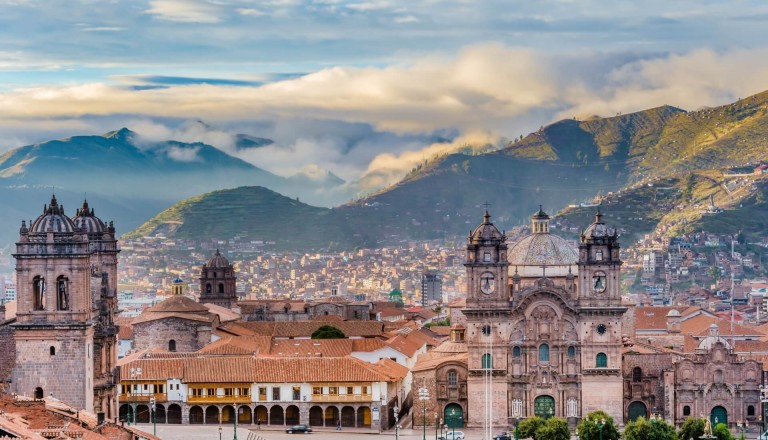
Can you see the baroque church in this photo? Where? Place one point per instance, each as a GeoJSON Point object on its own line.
{"type": "Point", "coordinates": [64, 333]}
{"type": "Point", "coordinates": [543, 324]}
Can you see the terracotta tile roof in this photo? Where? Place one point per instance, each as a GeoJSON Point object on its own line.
{"type": "Point", "coordinates": [391, 369]}
{"type": "Point", "coordinates": [237, 345]}
{"type": "Point", "coordinates": [653, 318]}
{"type": "Point", "coordinates": [407, 346]}
{"type": "Point", "coordinates": [442, 330]}
{"type": "Point", "coordinates": [225, 314]}
{"type": "Point", "coordinates": [233, 369]}
{"type": "Point", "coordinates": [763, 328]}
{"type": "Point", "coordinates": [368, 344]}
{"type": "Point", "coordinates": [392, 311]}
{"type": "Point", "coordinates": [427, 361]}
{"type": "Point", "coordinates": [642, 348]}
{"type": "Point", "coordinates": [125, 331]}
{"type": "Point", "coordinates": [305, 328]}
{"type": "Point", "coordinates": [311, 347]}
{"type": "Point", "coordinates": [699, 326]}
{"type": "Point", "coordinates": [235, 329]}
{"type": "Point", "coordinates": [752, 346]}
{"type": "Point", "coordinates": [156, 316]}
{"type": "Point", "coordinates": [16, 425]}
{"type": "Point", "coordinates": [178, 303]}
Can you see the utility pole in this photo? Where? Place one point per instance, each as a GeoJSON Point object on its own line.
{"type": "Point", "coordinates": [424, 396]}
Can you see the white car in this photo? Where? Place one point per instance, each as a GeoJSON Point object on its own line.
{"type": "Point", "coordinates": [453, 435]}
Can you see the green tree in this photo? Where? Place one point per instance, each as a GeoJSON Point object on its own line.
{"type": "Point", "coordinates": [589, 427]}
{"type": "Point", "coordinates": [328, 332]}
{"type": "Point", "coordinates": [692, 428]}
{"type": "Point", "coordinates": [553, 429]}
{"type": "Point", "coordinates": [528, 427]}
{"type": "Point", "coordinates": [642, 429]}
{"type": "Point", "coordinates": [714, 272]}
{"type": "Point", "coordinates": [721, 432]}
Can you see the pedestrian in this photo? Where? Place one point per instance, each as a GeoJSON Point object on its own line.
{"type": "Point", "coordinates": [258, 424]}
{"type": "Point", "coordinates": [338, 425]}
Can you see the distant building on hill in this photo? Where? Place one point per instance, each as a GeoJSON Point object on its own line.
{"type": "Point", "coordinates": [431, 288]}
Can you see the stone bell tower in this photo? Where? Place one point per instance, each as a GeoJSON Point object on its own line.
{"type": "Point", "coordinates": [488, 324]}
{"type": "Point", "coordinates": [601, 312]}
{"type": "Point", "coordinates": [54, 330]}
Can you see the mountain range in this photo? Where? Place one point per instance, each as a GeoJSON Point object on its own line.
{"type": "Point", "coordinates": [565, 163]}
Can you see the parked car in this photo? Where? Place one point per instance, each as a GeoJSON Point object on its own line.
{"type": "Point", "coordinates": [453, 435]}
{"type": "Point", "coordinates": [298, 428]}
{"type": "Point", "coordinates": [506, 435]}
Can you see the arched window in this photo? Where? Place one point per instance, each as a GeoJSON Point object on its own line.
{"type": "Point", "coordinates": [601, 360]}
{"type": "Point", "coordinates": [52, 351]}
{"type": "Point", "coordinates": [38, 393]}
{"type": "Point", "coordinates": [487, 361]}
{"type": "Point", "coordinates": [543, 353]}
{"type": "Point", "coordinates": [172, 345]}
{"type": "Point", "coordinates": [637, 374]}
{"type": "Point", "coordinates": [571, 351]}
{"type": "Point", "coordinates": [516, 351]}
{"type": "Point", "coordinates": [221, 287]}
{"type": "Point", "coordinates": [38, 292]}
{"type": "Point", "coordinates": [62, 296]}
{"type": "Point", "coordinates": [751, 410]}
{"type": "Point", "coordinates": [214, 275]}
{"type": "Point", "coordinates": [686, 410]}
{"type": "Point", "coordinates": [453, 378]}
{"type": "Point", "coordinates": [208, 288]}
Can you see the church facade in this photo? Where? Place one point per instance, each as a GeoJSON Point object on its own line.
{"type": "Point", "coordinates": [543, 324]}
{"type": "Point", "coordinates": [64, 334]}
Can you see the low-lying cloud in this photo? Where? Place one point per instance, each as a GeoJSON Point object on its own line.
{"type": "Point", "coordinates": [374, 123]}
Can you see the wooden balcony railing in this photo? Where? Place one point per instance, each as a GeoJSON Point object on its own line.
{"type": "Point", "coordinates": [219, 399]}
{"type": "Point", "coordinates": [342, 397]}
{"type": "Point", "coordinates": [144, 397]}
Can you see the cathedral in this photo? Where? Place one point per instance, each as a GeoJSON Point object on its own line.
{"type": "Point", "coordinates": [543, 324]}
{"type": "Point", "coordinates": [64, 334]}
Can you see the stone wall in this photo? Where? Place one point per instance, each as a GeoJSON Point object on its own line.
{"type": "Point", "coordinates": [7, 353]}
{"type": "Point", "coordinates": [158, 333]}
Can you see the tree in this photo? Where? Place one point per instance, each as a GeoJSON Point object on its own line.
{"type": "Point", "coordinates": [642, 429]}
{"type": "Point", "coordinates": [528, 427]}
{"type": "Point", "coordinates": [589, 427]}
{"type": "Point", "coordinates": [721, 432]}
{"type": "Point", "coordinates": [692, 428]}
{"type": "Point", "coordinates": [328, 332]}
{"type": "Point", "coordinates": [553, 429]}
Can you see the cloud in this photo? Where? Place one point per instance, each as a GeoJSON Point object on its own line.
{"type": "Point", "coordinates": [186, 11]}
{"type": "Point", "coordinates": [180, 154]}
{"type": "Point", "coordinates": [376, 123]}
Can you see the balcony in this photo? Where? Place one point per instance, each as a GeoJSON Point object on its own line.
{"type": "Point", "coordinates": [342, 397]}
{"type": "Point", "coordinates": [219, 399]}
{"type": "Point", "coordinates": [144, 397]}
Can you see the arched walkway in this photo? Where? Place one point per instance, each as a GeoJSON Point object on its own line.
{"type": "Point", "coordinates": [174, 414]}
{"type": "Point", "coordinates": [244, 414]}
{"type": "Point", "coordinates": [227, 415]}
{"type": "Point", "coordinates": [363, 417]}
{"type": "Point", "coordinates": [315, 416]}
{"type": "Point", "coordinates": [348, 417]}
{"type": "Point", "coordinates": [331, 416]}
{"type": "Point", "coordinates": [142, 414]}
{"type": "Point", "coordinates": [126, 413]}
{"type": "Point", "coordinates": [292, 415]}
{"type": "Point", "coordinates": [159, 413]}
{"type": "Point", "coordinates": [196, 415]}
{"type": "Point", "coordinates": [276, 416]}
{"type": "Point", "coordinates": [454, 416]}
{"type": "Point", "coordinates": [637, 409]}
{"type": "Point", "coordinates": [262, 415]}
{"type": "Point", "coordinates": [212, 415]}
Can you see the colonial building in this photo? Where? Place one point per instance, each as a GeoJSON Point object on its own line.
{"type": "Point", "coordinates": [65, 336]}
{"type": "Point", "coordinates": [218, 283]}
{"type": "Point", "coordinates": [176, 324]}
{"type": "Point", "coordinates": [544, 324]}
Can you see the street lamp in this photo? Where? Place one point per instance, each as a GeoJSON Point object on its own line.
{"type": "Point", "coordinates": [397, 418]}
{"type": "Point", "coordinates": [453, 423]}
{"type": "Point", "coordinates": [235, 435]}
{"type": "Point", "coordinates": [743, 427]}
{"type": "Point", "coordinates": [436, 424]}
{"type": "Point", "coordinates": [517, 423]}
{"type": "Point", "coordinates": [219, 432]}
{"type": "Point", "coordinates": [424, 396]}
{"type": "Point", "coordinates": [152, 408]}
{"type": "Point", "coordinates": [135, 373]}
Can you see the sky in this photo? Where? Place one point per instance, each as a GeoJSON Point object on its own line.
{"type": "Point", "coordinates": [363, 89]}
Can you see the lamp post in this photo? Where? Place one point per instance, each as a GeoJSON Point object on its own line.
{"type": "Point", "coordinates": [453, 423]}
{"type": "Point", "coordinates": [152, 408]}
{"type": "Point", "coordinates": [517, 422]}
{"type": "Point", "coordinates": [436, 425]}
{"type": "Point", "coordinates": [600, 425]}
{"type": "Point", "coordinates": [397, 419]}
{"type": "Point", "coordinates": [743, 427]}
{"type": "Point", "coordinates": [424, 396]}
{"type": "Point", "coordinates": [235, 435]}
{"type": "Point", "coordinates": [219, 432]}
{"type": "Point", "coordinates": [135, 374]}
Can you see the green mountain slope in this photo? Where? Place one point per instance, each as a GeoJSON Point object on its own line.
{"type": "Point", "coordinates": [252, 213]}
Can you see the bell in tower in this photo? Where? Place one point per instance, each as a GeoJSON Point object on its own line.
{"type": "Point", "coordinates": [486, 264]}
{"type": "Point", "coordinates": [599, 262]}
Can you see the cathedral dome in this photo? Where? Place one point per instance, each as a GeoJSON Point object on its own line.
{"type": "Point", "coordinates": [486, 231]}
{"type": "Point", "coordinates": [86, 220]}
{"type": "Point", "coordinates": [542, 248]}
{"type": "Point", "coordinates": [53, 218]}
{"type": "Point", "coordinates": [217, 260]}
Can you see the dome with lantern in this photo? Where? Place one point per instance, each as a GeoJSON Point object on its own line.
{"type": "Point", "coordinates": [86, 220]}
{"type": "Point", "coordinates": [52, 219]}
{"type": "Point", "coordinates": [542, 253]}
